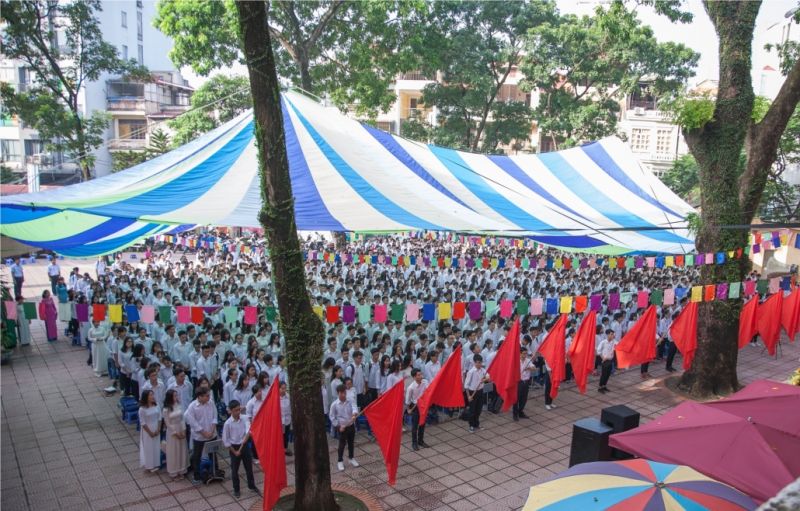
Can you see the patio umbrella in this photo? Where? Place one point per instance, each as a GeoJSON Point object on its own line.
{"type": "Point", "coordinates": [634, 485]}
{"type": "Point", "coordinates": [750, 456]}
{"type": "Point", "coordinates": [766, 402]}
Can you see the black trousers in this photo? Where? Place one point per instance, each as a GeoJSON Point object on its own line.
{"type": "Point", "coordinates": [475, 408]}
{"type": "Point", "coordinates": [287, 430]}
{"type": "Point", "coordinates": [645, 367]}
{"type": "Point", "coordinates": [348, 436]}
{"type": "Point", "coordinates": [417, 431]}
{"type": "Point", "coordinates": [372, 395]}
{"type": "Point", "coordinates": [18, 286]}
{"type": "Point", "coordinates": [53, 283]}
{"type": "Point", "coordinates": [605, 373]}
{"type": "Point", "coordinates": [672, 349]}
{"type": "Point", "coordinates": [522, 397]}
{"type": "Point", "coordinates": [246, 459]}
{"type": "Point", "coordinates": [547, 386]}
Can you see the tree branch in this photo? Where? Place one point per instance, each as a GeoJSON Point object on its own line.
{"type": "Point", "coordinates": [762, 143]}
{"type": "Point", "coordinates": [323, 22]}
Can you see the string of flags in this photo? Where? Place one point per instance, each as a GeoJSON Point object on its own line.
{"type": "Point", "coordinates": [412, 312]}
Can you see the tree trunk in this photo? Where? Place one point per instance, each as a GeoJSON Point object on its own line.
{"type": "Point", "coordinates": [302, 328]}
{"type": "Point", "coordinates": [716, 146]}
{"type": "Point", "coordinates": [85, 159]}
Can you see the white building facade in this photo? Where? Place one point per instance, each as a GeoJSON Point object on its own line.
{"type": "Point", "coordinates": [136, 109]}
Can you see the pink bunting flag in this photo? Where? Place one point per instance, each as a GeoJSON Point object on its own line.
{"type": "Point", "coordinates": [380, 313]}
{"type": "Point", "coordinates": [184, 314]}
{"type": "Point", "coordinates": [412, 312]}
{"type": "Point", "coordinates": [669, 296]}
{"type": "Point", "coordinates": [506, 308]}
{"type": "Point", "coordinates": [642, 299]}
{"type": "Point", "coordinates": [749, 287]}
{"type": "Point", "coordinates": [147, 314]}
{"type": "Point", "coordinates": [651, 262]}
{"type": "Point", "coordinates": [250, 315]}
{"type": "Point", "coordinates": [537, 306]}
{"type": "Point", "coordinates": [774, 285]}
{"type": "Point", "coordinates": [11, 309]}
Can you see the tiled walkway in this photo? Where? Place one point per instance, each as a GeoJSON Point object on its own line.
{"type": "Point", "coordinates": [64, 446]}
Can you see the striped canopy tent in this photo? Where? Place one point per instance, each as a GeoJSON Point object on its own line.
{"type": "Point", "coordinates": [348, 176]}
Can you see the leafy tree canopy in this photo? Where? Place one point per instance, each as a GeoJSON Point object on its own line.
{"type": "Point", "coordinates": [217, 101]}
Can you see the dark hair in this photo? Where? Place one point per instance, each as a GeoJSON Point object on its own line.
{"type": "Point", "coordinates": [200, 391]}
{"type": "Point", "coordinates": [169, 399]}
{"type": "Point", "coordinates": [340, 388]}
{"type": "Point", "coordinates": [477, 358]}
{"type": "Point", "coordinates": [240, 383]}
{"type": "Point", "coordinates": [143, 401]}
{"type": "Point", "coordinates": [414, 372]}
{"type": "Point", "coordinates": [233, 404]}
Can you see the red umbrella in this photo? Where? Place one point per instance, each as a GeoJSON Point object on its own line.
{"type": "Point", "coordinates": [766, 402]}
{"type": "Point", "coordinates": [754, 458]}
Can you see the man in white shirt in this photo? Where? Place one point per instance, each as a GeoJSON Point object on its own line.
{"type": "Point", "coordinates": [356, 372]}
{"type": "Point", "coordinates": [342, 418]}
{"type": "Point", "coordinates": [606, 352]}
{"type": "Point", "coordinates": [235, 434]}
{"type": "Point", "coordinates": [53, 272]}
{"type": "Point", "coordinates": [201, 416]}
{"type": "Point", "coordinates": [525, 369]}
{"type": "Point", "coordinates": [473, 385]}
{"type": "Point", "coordinates": [19, 277]}
{"type": "Point", "coordinates": [181, 386]}
{"type": "Point", "coordinates": [413, 393]}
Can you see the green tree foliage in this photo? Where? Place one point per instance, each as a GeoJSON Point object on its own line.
{"type": "Point", "coordinates": [349, 51]}
{"type": "Point", "coordinates": [584, 66]}
{"type": "Point", "coordinates": [62, 45]}
{"type": "Point", "coordinates": [159, 144]}
{"type": "Point", "coordinates": [217, 101]}
{"type": "Point", "coordinates": [477, 47]}
{"type": "Point", "coordinates": [6, 175]}
{"type": "Point", "coordinates": [682, 177]}
{"type": "Point", "coordinates": [781, 200]}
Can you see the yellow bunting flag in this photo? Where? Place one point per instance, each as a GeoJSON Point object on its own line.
{"type": "Point", "coordinates": [566, 305]}
{"type": "Point", "coordinates": [318, 310]}
{"type": "Point", "coordinates": [115, 313]}
{"type": "Point", "coordinates": [697, 294]}
{"type": "Point", "coordinates": [444, 311]}
{"type": "Point", "coordinates": [669, 261]}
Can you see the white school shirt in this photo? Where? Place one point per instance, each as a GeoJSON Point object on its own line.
{"type": "Point", "coordinates": [341, 413]}
{"type": "Point", "coordinates": [431, 370]}
{"type": "Point", "coordinates": [286, 410]}
{"type": "Point", "coordinates": [356, 373]}
{"type": "Point", "coordinates": [184, 391]}
{"type": "Point", "coordinates": [227, 392]}
{"type": "Point", "coordinates": [253, 406]}
{"type": "Point", "coordinates": [606, 349]}
{"type": "Point", "coordinates": [474, 379]}
{"type": "Point", "coordinates": [391, 380]}
{"type": "Point", "coordinates": [234, 431]}
{"type": "Point", "coordinates": [414, 391]}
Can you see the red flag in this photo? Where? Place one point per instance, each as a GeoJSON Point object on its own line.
{"type": "Point", "coordinates": [790, 314]}
{"type": "Point", "coordinates": [267, 432]}
{"type": "Point", "coordinates": [638, 346]}
{"type": "Point", "coordinates": [553, 350]}
{"type": "Point", "coordinates": [198, 315]}
{"type": "Point", "coordinates": [582, 350]}
{"type": "Point", "coordinates": [747, 321]}
{"type": "Point", "coordinates": [446, 389]}
{"type": "Point", "coordinates": [769, 321]}
{"type": "Point", "coordinates": [385, 416]}
{"type": "Point", "coordinates": [504, 369]}
{"type": "Point", "coordinates": [684, 333]}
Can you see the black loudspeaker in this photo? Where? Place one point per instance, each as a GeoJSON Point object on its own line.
{"type": "Point", "coordinates": [589, 442]}
{"type": "Point", "coordinates": [620, 418]}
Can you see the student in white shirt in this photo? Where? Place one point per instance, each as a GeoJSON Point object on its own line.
{"type": "Point", "coordinates": [201, 416]}
{"type": "Point", "coordinates": [525, 369]}
{"type": "Point", "coordinates": [606, 352]}
{"type": "Point", "coordinates": [413, 393]}
{"type": "Point", "coordinates": [235, 434]}
{"type": "Point", "coordinates": [342, 418]}
{"type": "Point", "coordinates": [286, 417]}
{"type": "Point", "coordinates": [432, 366]}
{"type": "Point", "coordinates": [473, 385]}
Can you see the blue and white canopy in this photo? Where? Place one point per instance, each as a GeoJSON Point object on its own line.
{"type": "Point", "coordinates": [347, 176]}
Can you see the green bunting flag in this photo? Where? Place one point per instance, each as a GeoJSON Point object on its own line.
{"type": "Point", "coordinates": [165, 314]}
{"type": "Point", "coordinates": [29, 308]}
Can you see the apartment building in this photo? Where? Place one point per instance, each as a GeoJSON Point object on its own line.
{"type": "Point", "coordinates": [135, 108]}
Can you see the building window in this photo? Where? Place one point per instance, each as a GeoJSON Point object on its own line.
{"type": "Point", "coordinates": [139, 26]}
{"type": "Point", "coordinates": [124, 52]}
{"type": "Point", "coordinates": [124, 19]}
{"type": "Point", "coordinates": [640, 140]}
{"type": "Point", "coordinates": [132, 129]}
{"type": "Point", "coordinates": [33, 147]}
{"type": "Point", "coordinates": [141, 55]}
{"type": "Point", "coordinates": [9, 150]}
{"type": "Point", "coordinates": [664, 141]}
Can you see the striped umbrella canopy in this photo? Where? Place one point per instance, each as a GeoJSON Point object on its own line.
{"type": "Point", "coordinates": [634, 485]}
{"type": "Point", "coordinates": [349, 176]}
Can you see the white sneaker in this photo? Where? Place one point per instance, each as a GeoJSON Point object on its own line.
{"type": "Point", "coordinates": [548, 407]}
{"type": "Point", "coordinates": [354, 462]}
{"type": "Point", "coordinates": [340, 466]}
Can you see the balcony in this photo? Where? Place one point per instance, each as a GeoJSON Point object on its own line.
{"type": "Point", "coordinates": [414, 75]}
{"type": "Point", "coordinates": [127, 144]}
{"type": "Point", "coordinates": [126, 103]}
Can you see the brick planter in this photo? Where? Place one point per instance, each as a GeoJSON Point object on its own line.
{"type": "Point", "coordinates": [369, 502]}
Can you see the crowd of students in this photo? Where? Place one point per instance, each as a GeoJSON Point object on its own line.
{"type": "Point", "coordinates": [197, 382]}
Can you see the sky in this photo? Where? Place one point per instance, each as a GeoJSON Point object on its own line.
{"type": "Point", "coordinates": [698, 35]}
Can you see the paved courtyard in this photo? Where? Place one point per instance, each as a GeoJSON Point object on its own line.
{"type": "Point", "coordinates": [64, 446]}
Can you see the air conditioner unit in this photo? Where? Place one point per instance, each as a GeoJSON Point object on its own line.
{"type": "Point", "coordinates": [638, 111]}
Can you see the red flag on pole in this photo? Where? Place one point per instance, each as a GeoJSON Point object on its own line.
{"type": "Point", "coordinates": [684, 333]}
{"type": "Point", "coordinates": [747, 321]}
{"type": "Point", "coordinates": [582, 350]}
{"type": "Point", "coordinates": [638, 346]}
{"type": "Point", "coordinates": [385, 416]}
{"type": "Point", "coordinates": [790, 314]}
{"type": "Point", "coordinates": [504, 369]}
{"type": "Point", "coordinates": [267, 433]}
{"type": "Point", "coordinates": [553, 350]}
{"type": "Point", "coordinates": [769, 321]}
{"type": "Point", "coordinates": [446, 389]}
